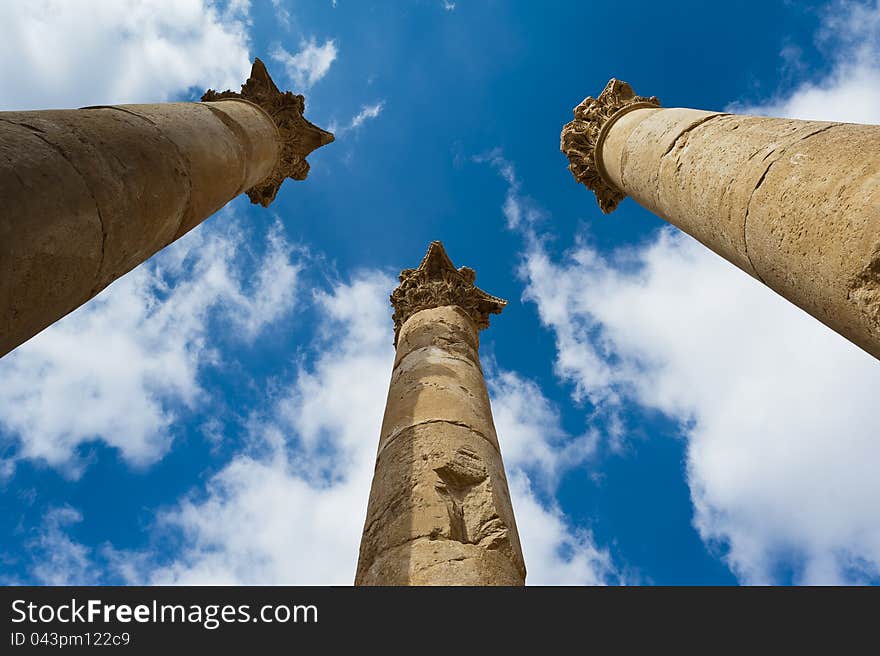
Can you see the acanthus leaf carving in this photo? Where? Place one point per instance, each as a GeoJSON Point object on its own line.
{"type": "Point", "coordinates": [580, 138]}
{"type": "Point", "coordinates": [435, 283]}
{"type": "Point", "coordinates": [298, 136]}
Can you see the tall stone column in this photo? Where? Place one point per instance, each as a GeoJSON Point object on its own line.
{"type": "Point", "coordinates": [439, 510]}
{"type": "Point", "coordinates": [88, 194]}
{"type": "Point", "coordinates": [795, 204]}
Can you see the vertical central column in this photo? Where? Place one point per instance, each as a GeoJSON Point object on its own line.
{"type": "Point", "coordinates": [439, 510]}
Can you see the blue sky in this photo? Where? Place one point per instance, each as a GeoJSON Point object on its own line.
{"type": "Point", "coordinates": [213, 416]}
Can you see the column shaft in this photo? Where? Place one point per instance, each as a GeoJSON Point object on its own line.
{"type": "Point", "coordinates": [439, 510]}
{"type": "Point", "coordinates": [795, 204]}
{"type": "Point", "coordinates": [89, 194]}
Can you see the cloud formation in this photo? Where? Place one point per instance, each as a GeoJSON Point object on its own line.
{"type": "Point", "coordinates": [58, 559]}
{"type": "Point", "coordinates": [777, 409]}
{"type": "Point", "coordinates": [537, 451]}
{"type": "Point", "coordinates": [71, 54]}
{"type": "Point", "coordinates": [522, 213]}
{"type": "Point", "coordinates": [120, 368]}
{"type": "Point", "coordinates": [309, 64]}
{"type": "Point", "coordinates": [850, 92]}
{"type": "Point", "coordinates": [367, 113]}
{"type": "Point", "coordinates": [534, 439]}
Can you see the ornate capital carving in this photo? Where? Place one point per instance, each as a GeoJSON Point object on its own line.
{"type": "Point", "coordinates": [581, 138]}
{"type": "Point", "coordinates": [436, 282]}
{"type": "Point", "coordinates": [299, 137]}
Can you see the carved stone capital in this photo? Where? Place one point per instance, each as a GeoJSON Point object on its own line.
{"type": "Point", "coordinates": [582, 138]}
{"type": "Point", "coordinates": [435, 283]}
{"type": "Point", "coordinates": [298, 136]}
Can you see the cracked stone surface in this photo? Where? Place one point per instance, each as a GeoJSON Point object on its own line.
{"type": "Point", "coordinates": [795, 204]}
{"type": "Point", "coordinates": [439, 511]}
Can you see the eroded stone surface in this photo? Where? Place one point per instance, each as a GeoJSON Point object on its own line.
{"type": "Point", "coordinates": [439, 481]}
{"type": "Point", "coordinates": [813, 228]}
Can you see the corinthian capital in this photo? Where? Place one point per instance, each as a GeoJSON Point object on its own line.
{"type": "Point", "coordinates": [298, 136]}
{"type": "Point", "coordinates": [583, 136]}
{"type": "Point", "coordinates": [435, 283]}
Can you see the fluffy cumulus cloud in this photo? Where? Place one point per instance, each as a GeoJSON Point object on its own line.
{"type": "Point", "coordinates": [776, 408]}
{"type": "Point", "coordinates": [309, 64]}
{"type": "Point", "coordinates": [537, 451]}
{"type": "Point", "coordinates": [93, 52]}
{"type": "Point", "coordinates": [288, 507]}
{"type": "Point", "coordinates": [555, 552]}
{"type": "Point", "coordinates": [118, 369]}
{"type": "Point", "coordinates": [850, 92]}
{"type": "Point", "coordinates": [534, 439]}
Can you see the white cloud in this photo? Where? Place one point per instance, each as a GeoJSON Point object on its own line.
{"type": "Point", "coordinates": [366, 113]}
{"type": "Point", "coordinates": [282, 14]}
{"type": "Point", "coordinates": [778, 410]}
{"type": "Point", "coordinates": [275, 285]}
{"type": "Point", "coordinates": [448, 5]}
{"type": "Point", "coordinates": [70, 54]}
{"type": "Point", "coordinates": [555, 552]}
{"type": "Point", "coordinates": [537, 450]}
{"type": "Point", "coordinates": [309, 64]}
{"type": "Point", "coordinates": [534, 440]}
{"type": "Point", "coordinates": [58, 559]}
{"type": "Point", "coordinates": [289, 508]}
{"type": "Point", "coordinates": [850, 92]}
{"type": "Point", "coordinates": [520, 210]}
{"type": "Point", "coordinates": [118, 369]}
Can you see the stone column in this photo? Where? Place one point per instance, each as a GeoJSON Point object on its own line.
{"type": "Point", "coordinates": [795, 204]}
{"type": "Point", "coordinates": [439, 510]}
{"type": "Point", "coordinates": [88, 194]}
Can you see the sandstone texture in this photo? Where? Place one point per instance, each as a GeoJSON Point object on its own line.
{"type": "Point", "coordinates": [439, 510]}
{"type": "Point", "coordinates": [795, 204]}
{"type": "Point", "coordinates": [89, 194]}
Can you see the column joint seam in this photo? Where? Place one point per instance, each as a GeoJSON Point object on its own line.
{"type": "Point", "coordinates": [425, 422]}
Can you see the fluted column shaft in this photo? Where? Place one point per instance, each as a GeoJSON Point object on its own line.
{"type": "Point", "coordinates": [795, 204]}
{"type": "Point", "coordinates": [88, 194]}
{"type": "Point", "coordinates": [439, 511]}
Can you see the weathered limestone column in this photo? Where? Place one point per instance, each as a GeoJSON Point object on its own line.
{"type": "Point", "coordinates": [88, 194]}
{"type": "Point", "coordinates": [439, 510]}
{"type": "Point", "coordinates": [796, 204]}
